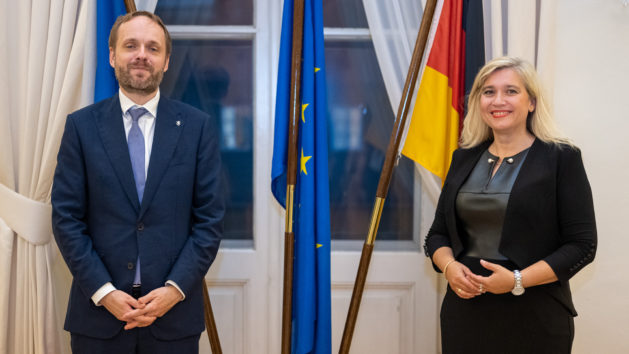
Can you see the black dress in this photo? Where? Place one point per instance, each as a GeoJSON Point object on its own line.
{"type": "Point", "coordinates": [534, 322]}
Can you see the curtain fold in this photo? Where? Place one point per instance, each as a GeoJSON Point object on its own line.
{"type": "Point", "coordinates": [45, 75]}
{"type": "Point", "coordinates": [525, 29]}
{"type": "Point", "coordinates": [146, 5]}
{"type": "Point", "coordinates": [393, 26]}
{"type": "Point", "coordinates": [522, 31]}
{"type": "Point", "coordinates": [546, 44]}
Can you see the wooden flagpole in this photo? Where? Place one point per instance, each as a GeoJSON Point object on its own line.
{"type": "Point", "coordinates": [291, 172]}
{"type": "Point", "coordinates": [130, 5]}
{"type": "Point", "coordinates": [385, 175]}
{"type": "Point", "coordinates": [210, 323]}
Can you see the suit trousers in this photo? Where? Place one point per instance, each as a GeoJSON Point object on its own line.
{"type": "Point", "coordinates": [134, 341]}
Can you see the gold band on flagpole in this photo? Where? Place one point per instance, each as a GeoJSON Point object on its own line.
{"type": "Point", "coordinates": [376, 213]}
{"type": "Point", "coordinates": [290, 197]}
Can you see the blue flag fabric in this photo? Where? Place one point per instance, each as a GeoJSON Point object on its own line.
{"type": "Point", "coordinates": [107, 11]}
{"type": "Point", "coordinates": [312, 329]}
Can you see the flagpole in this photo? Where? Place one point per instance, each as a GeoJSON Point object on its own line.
{"type": "Point", "coordinates": [130, 5]}
{"type": "Point", "coordinates": [210, 322]}
{"type": "Point", "coordinates": [385, 175]}
{"type": "Point", "coordinates": [291, 172]}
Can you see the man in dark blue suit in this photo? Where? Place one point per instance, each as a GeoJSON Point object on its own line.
{"type": "Point", "coordinates": [137, 206]}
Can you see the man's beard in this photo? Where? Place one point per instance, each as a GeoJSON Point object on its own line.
{"type": "Point", "coordinates": [133, 84]}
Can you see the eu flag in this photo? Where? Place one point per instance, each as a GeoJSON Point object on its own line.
{"type": "Point", "coordinates": [107, 12]}
{"type": "Point", "coordinates": [311, 278]}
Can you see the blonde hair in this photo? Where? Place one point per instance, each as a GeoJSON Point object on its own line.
{"type": "Point", "coordinates": [540, 122]}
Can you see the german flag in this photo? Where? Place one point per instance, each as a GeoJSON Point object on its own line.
{"type": "Point", "coordinates": [455, 55]}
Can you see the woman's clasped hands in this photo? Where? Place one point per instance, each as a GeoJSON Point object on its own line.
{"type": "Point", "coordinates": [468, 285]}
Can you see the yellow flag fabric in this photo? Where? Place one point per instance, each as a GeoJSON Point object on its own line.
{"type": "Point", "coordinates": [434, 129]}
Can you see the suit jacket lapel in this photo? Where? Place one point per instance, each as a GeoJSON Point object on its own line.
{"type": "Point", "coordinates": [466, 162]}
{"type": "Point", "coordinates": [531, 163]}
{"type": "Point", "coordinates": [534, 162]}
{"type": "Point", "coordinates": [168, 126]}
{"type": "Point", "coordinates": [111, 129]}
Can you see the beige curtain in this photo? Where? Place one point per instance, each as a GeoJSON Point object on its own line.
{"type": "Point", "coordinates": [46, 71]}
{"type": "Point", "coordinates": [526, 29]}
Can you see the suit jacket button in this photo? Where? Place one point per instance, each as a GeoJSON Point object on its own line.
{"type": "Point", "coordinates": [140, 226]}
{"type": "Point", "coordinates": [130, 266]}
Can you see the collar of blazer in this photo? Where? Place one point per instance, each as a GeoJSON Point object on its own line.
{"type": "Point", "coordinates": [465, 160]}
{"type": "Point", "coordinates": [168, 128]}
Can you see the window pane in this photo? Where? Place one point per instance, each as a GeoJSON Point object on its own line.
{"type": "Point", "coordinates": [205, 12]}
{"type": "Point", "coordinates": [216, 76]}
{"type": "Point", "coordinates": [344, 13]}
{"type": "Point", "coordinates": [360, 123]}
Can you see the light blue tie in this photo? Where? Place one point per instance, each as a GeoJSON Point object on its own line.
{"type": "Point", "coordinates": [135, 140]}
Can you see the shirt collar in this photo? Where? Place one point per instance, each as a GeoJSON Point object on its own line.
{"type": "Point", "coordinates": [126, 103]}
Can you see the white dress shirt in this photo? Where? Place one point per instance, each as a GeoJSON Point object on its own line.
{"type": "Point", "coordinates": [147, 125]}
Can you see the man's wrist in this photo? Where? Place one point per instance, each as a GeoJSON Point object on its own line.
{"type": "Point", "coordinates": [174, 285]}
{"type": "Point", "coordinates": [102, 292]}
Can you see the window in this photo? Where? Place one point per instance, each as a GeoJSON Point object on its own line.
{"type": "Point", "coordinates": [215, 66]}
{"type": "Point", "coordinates": [360, 122]}
{"type": "Point", "coordinates": [211, 68]}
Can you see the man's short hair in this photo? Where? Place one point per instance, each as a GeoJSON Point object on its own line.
{"type": "Point", "coordinates": [113, 34]}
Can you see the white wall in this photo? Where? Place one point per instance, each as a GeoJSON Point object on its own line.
{"type": "Point", "coordinates": [591, 99]}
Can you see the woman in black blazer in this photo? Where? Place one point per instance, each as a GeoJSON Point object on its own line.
{"type": "Point", "coordinates": [514, 222]}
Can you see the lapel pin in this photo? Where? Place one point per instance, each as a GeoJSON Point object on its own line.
{"type": "Point", "coordinates": [178, 123]}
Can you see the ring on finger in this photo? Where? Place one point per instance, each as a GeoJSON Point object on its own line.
{"type": "Point", "coordinates": [481, 289]}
